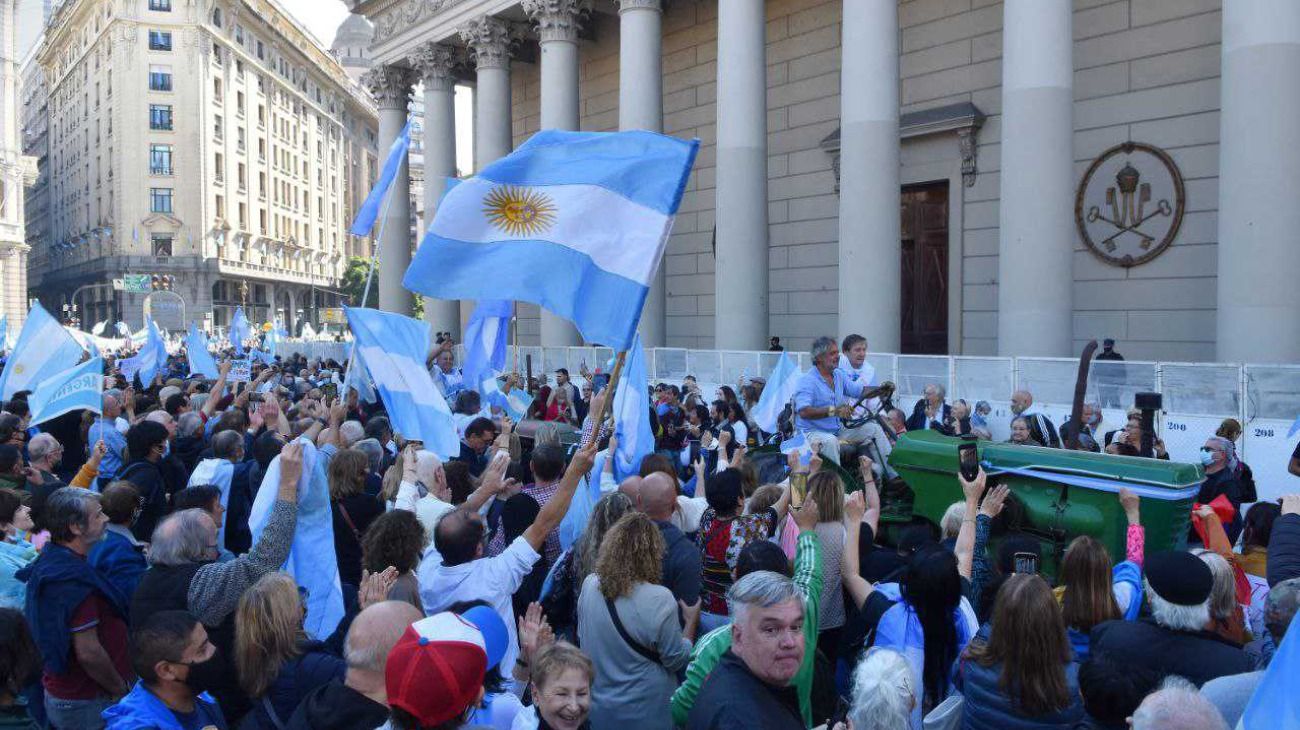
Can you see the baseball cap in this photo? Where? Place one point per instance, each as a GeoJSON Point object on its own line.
{"type": "Point", "coordinates": [445, 651]}
{"type": "Point", "coordinates": [495, 635]}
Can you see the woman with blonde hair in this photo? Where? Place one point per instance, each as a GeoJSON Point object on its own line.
{"type": "Point", "coordinates": [633, 620]}
{"type": "Point", "coordinates": [826, 489]}
{"type": "Point", "coordinates": [278, 664]}
{"type": "Point", "coordinates": [353, 510]}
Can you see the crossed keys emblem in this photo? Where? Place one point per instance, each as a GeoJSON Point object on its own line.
{"type": "Point", "coordinates": [1123, 215]}
{"type": "Point", "coordinates": [1131, 204]}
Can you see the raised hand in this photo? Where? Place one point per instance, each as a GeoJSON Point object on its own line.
{"type": "Point", "coordinates": [995, 500]}
{"type": "Point", "coordinates": [807, 516]}
{"type": "Point", "coordinates": [855, 506]}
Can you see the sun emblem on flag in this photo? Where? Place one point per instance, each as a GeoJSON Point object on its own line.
{"type": "Point", "coordinates": [519, 211]}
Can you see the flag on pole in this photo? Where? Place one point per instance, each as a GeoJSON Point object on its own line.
{"type": "Point", "coordinates": [1275, 703]}
{"type": "Point", "coordinates": [151, 358]}
{"type": "Point", "coordinates": [240, 331]}
{"type": "Point", "coordinates": [369, 212]}
{"type": "Point", "coordinates": [196, 352]}
{"type": "Point", "coordinates": [778, 391]}
{"type": "Point", "coordinates": [98, 329]}
{"type": "Point", "coordinates": [80, 387]}
{"type": "Point", "coordinates": [485, 343]}
{"type": "Point", "coordinates": [358, 378]}
{"type": "Point", "coordinates": [636, 440]}
{"type": "Point", "coordinates": [597, 206]}
{"type": "Point", "coordinates": [394, 348]}
{"type": "Point", "coordinates": [43, 348]}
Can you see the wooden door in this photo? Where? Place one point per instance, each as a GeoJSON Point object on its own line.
{"type": "Point", "coordinates": [925, 269]}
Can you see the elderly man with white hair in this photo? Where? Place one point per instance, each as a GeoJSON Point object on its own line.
{"type": "Point", "coordinates": [44, 452]}
{"type": "Point", "coordinates": [1173, 640]}
{"type": "Point", "coordinates": [1177, 705]}
{"type": "Point", "coordinates": [352, 432]}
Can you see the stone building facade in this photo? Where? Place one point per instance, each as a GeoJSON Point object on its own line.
{"type": "Point", "coordinates": [214, 143]}
{"type": "Point", "coordinates": [999, 130]}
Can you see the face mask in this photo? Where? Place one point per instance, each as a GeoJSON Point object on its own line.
{"type": "Point", "coordinates": [1207, 458]}
{"type": "Point", "coordinates": [205, 675]}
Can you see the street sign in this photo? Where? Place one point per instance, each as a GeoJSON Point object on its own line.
{"type": "Point", "coordinates": [136, 283]}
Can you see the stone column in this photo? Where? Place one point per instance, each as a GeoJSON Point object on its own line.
{"type": "Point", "coordinates": [557, 30]}
{"type": "Point", "coordinates": [640, 106]}
{"type": "Point", "coordinates": [488, 39]}
{"type": "Point", "coordinates": [870, 248]}
{"type": "Point", "coordinates": [1036, 241]}
{"type": "Point", "coordinates": [434, 61]}
{"type": "Point", "coordinates": [391, 86]}
{"type": "Point", "coordinates": [1259, 178]}
{"type": "Point", "coordinates": [740, 281]}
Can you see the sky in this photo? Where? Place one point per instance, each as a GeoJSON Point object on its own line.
{"type": "Point", "coordinates": [321, 17]}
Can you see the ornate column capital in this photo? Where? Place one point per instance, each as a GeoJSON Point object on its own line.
{"type": "Point", "coordinates": [488, 39]}
{"type": "Point", "coordinates": [435, 61]}
{"type": "Point", "coordinates": [656, 5]}
{"type": "Point", "coordinates": [557, 20]}
{"type": "Point", "coordinates": [390, 85]}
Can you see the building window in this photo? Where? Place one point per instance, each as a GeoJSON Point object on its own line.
{"type": "Point", "coordinates": [161, 244]}
{"type": "Point", "coordinates": [160, 200]}
{"type": "Point", "coordinates": [160, 116]}
{"type": "Point", "coordinates": [160, 40]}
{"type": "Point", "coordinates": [160, 159]}
{"type": "Point", "coordinates": [218, 128]}
{"type": "Point", "coordinates": [216, 17]}
{"type": "Point", "coordinates": [161, 5]}
{"type": "Point", "coordinates": [219, 165]}
{"type": "Point", "coordinates": [160, 78]}
{"type": "Point", "coordinates": [216, 90]}
{"type": "Point", "coordinates": [221, 207]}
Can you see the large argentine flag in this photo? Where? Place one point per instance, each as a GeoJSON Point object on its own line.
{"type": "Point", "coordinates": [240, 331]}
{"type": "Point", "coordinates": [1275, 703]}
{"type": "Point", "coordinates": [780, 388]}
{"type": "Point", "coordinates": [77, 388]}
{"type": "Point", "coordinates": [196, 351]}
{"type": "Point", "coordinates": [393, 348]}
{"type": "Point", "coordinates": [485, 341]}
{"type": "Point", "coordinates": [43, 348]}
{"type": "Point", "coordinates": [573, 221]}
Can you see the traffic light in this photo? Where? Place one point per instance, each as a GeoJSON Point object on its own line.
{"type": "Point", "coordinates": [162, 282]}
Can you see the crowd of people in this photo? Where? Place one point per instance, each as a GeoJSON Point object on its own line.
{"type": "Point", "coordinates": [270, 554]}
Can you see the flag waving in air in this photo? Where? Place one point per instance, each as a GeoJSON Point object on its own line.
{"type": "Point", "coordinates": [369, 212]}
{"type": "Point", "coordinates": [573, 221]}
{"type": "Point", "coordinates": [196, 351]}
{"type": "Point", "coordinates": [485, 342]}
{"type": "Point", "coordinates": [240, 331]}
{"type": "Point", "coordinates": [43, 348]}
{"type": "Point", "coordinates": [79, 387]}
{"type": "Point", "coordinates": [780, 388]}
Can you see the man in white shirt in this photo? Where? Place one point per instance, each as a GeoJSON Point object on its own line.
{"type": "Point", "coordinates": [853, 361]}
{"type": "Point", "coordinates": [463, 574]}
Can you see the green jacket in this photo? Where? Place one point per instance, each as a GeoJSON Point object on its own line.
{"type": "Point", "coordinates": [710, 647]}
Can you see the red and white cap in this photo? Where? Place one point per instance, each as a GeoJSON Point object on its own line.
{"type": "Point", "coordinates": [436, 669]}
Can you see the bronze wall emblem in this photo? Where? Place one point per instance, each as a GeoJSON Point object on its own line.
{"type": "Point", "coordinates": [1130, 204]}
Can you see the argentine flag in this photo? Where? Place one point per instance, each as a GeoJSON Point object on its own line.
{"type": "Point", "coordinates": [77, 388]}
{"type": "Point", "coordinates": [1275, 703]}
{"type": "Point", "coordinates": [43, 348]}
{"type": "Point", "coordinates": [778, 391]}
{"type": "Point", "coordinates": [240, 331]}
{"type": "Point", "coordinates": [573, 221]}
{"type": "Point", "coordinates": [151, 358]}
{"type": "Point", "coordinates": [636, 440]}
{"type": "Point", "coordinates": [393, 348]}
{"type": "Point", "coordinates": [196, 352]}
{"type": "Point", "coordinates": [485, 342]}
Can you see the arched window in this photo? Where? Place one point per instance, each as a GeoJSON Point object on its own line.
{"type": "Point", "coordinates": [216, 16]}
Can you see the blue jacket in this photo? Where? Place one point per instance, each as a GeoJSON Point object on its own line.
{"type": "Point", "coordinates": [297, 678]}
{"type": "Point", "coordinates": [141, 710]}
{"type": "Point", "coordinates": [987, 707]}
{"type": "Point", "coordinates": [120, 561]}
{"type": "Point", "coordinates": [57, 582]}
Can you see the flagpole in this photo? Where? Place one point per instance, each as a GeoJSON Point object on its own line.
{"type": "Point", "coordinates": [514, 318]}
{"type": "Point", "coordinates": [365, 293]}
{"type": "Point", "coordinates": [608, 401]}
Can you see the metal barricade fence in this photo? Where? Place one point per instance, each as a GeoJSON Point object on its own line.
{"type": "Point", "coordinates": [1265, 399]}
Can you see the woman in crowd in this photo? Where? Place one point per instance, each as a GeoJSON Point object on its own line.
{"type": "Point", "coordinates": [1091, 591]}
{"type": "Point", "coordinates": [561, 408]}
{"type": "Point", "coordinates": [881, 696]}
{"type": "Point", "coordinates": [561, 685]}
{"type": "Point", "coordinates": [395, 540]}
{"type": "Point", "coordinates": [20, 666]}
{"type": "Point", "coordinates": [353, 510]}
{"type": "Point", "coordinates": [278, 664]}
{"type": "Point", "coordinates": [16, 552]}
{"type": "Point", "coordinates": [724, 531]}
{"type": "Point", "coordinates": [459, 481]}
{"type": "Point", "coordinates": [1019, 672]}
{"type": "Point", "coordinates": [930, 409]}
{"type": "Point", "coordinates": [629, 624]}
{"type": "Point", "coordinates": [1253, 558]}
{"type": "Point", "coordinates": [573, 567]}
{"type": "Point", "coordinates": [119, 555]}
{"type": "Point", "coordinates": [1020, 434]}
{"type": "Point", "coordinates": [826, 489]}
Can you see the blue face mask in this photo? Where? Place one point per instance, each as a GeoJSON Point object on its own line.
{"type": "Point", "coordinates": [1207, 458]}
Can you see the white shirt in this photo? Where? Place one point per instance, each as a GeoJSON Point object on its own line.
{"type": "Point", "coordinates": [865, 374]}
{"type": "Point", "coordinates": [493, 580]}
{"type": "Point", "coordinates": [428, 509]}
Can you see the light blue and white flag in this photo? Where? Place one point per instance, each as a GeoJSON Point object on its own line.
{"type": "Point", "coordinates": [98, 329]}
{"type": "Point", "coordinates": [394, 348]}
{"type": "Point", "coordinates": [486, 334]}
{"type": "Point", "coordinates": [43, 348]}
{"type": "Point", "coordinates": [798, 441]}
{"type": "Point", "coordinates": [151, 358]}
{"type": "Point", "coordinates": [312, 561]}
{"type": "Point", "coordinates": [196, 352]}
{"type": "Point", "coordinates": [360, 381]}
{"type": "Point", "coordinates": [636, 440]}
{"type": "Point", "coordinates": [778, 391]}
{"type": "Point", "coordinates": [1275, 703]}
{"type": "Point", "coordinates": [369, 212]}
{"type": "Point", "coordinates": [573, 221]}
{"type": "Point", "coordinates": [77, 388]}
{"type": "Point", "coordinates": [122, 329]}
{"type": "Point", "coordinates": [218, 473]}
{"type": "Point", "coordinates": [240, 331]}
